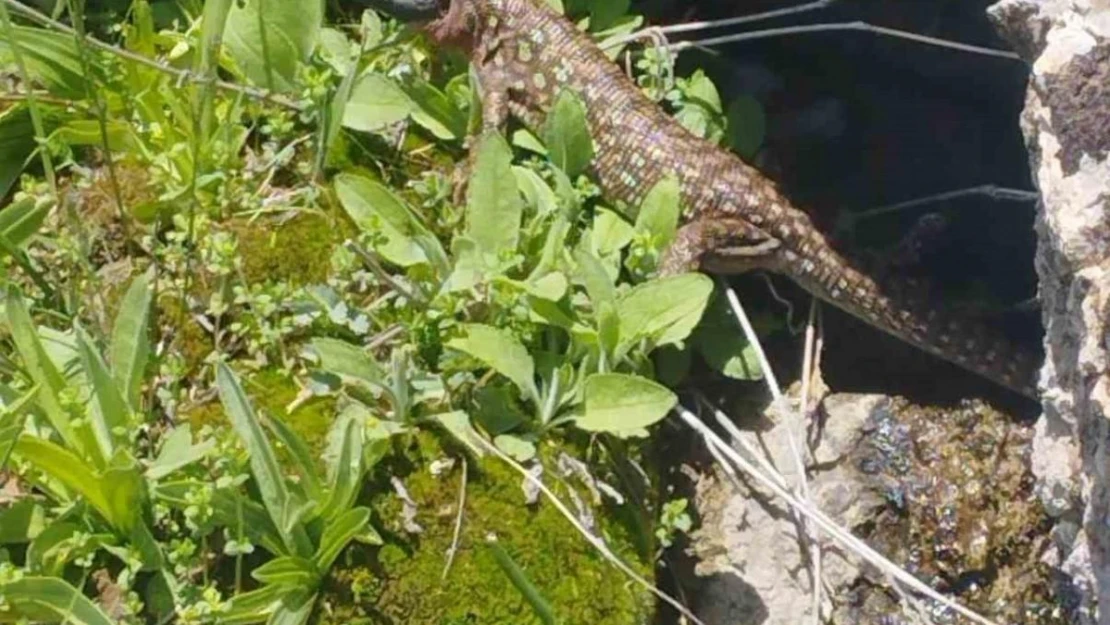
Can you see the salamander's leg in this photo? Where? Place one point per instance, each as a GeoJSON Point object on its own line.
{"type": "Point", "coordinates": [719, 246]}
{"type": "Point", "coordinates": [494, 92]}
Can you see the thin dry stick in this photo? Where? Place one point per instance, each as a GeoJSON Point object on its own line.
{"type": "Point", "coordinates": [860, 26]}
{"type": "Point", "coordinates": [180, 74]}
{"type": "Point", "coordinates": [803, 416]}
{"type": "Point", "coordinates": [749, 331]}
{"type": "Point", "coordinates": [808, 356]}
{"type": "Point", "coordinates": [992, 191]}
{"type": "Point", "coordinates": [595, 541]}
{"type": "Point", "coordinates": [709, 24]}
{"type": "Point", "coordinates": [77, 14]}
{"type": "Point", "coordinates": [746, 19]}
{"type": "Point", "coordinates": [795, 451]}
{"type": "Point", "coordinates": [842, 536]}
{"type": "Point", "coordinates": [454, 548]}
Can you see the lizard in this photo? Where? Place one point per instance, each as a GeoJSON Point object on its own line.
{"type": "Point", "coordinates": [734, 218]}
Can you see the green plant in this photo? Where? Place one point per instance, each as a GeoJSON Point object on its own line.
{"type": "Point", "coordinates": [527, 314]}
{"type": "Point", "coordinates": [306, 524]}
{"type": "Point", "coordinates": [76, 443]}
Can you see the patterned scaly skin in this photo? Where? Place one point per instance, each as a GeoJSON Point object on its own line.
{"type": "Point", "coordinates": [734, 218]}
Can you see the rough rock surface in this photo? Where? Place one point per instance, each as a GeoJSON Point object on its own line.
{"type": "Point", "coordinates": [747, 544]}
{"type": "Point", "coordinates": [1066, 123]}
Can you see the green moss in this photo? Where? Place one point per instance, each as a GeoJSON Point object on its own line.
{"type": "Point", "coordinates": [271, 391]}
{"type": "Point", "coordinates": [297, 251]}
{"type": "Point", "coordinates": [401, 582]}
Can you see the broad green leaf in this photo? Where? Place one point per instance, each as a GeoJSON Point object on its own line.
{"type": "Point", "coordinates": [17, 145]}
{"type": "Point", "coordinates": [701, 111]}
{"type": "Point", "coordinates": [457, 424]}
{"type": "Point", "coordinates": [337, 534]}
{"type": "Point", "coordinates": [520, 449]}
{"type": "Point", "coordinates": [19, 221]}
{"type": "Point", "coordinates": [254, 606]}
{"type": "Point", "coordinates": [301, 456]}
{"type": "Point", "coordinates": [376, 209]}
{"type": "Point", "coordinates": [337, 50]}
{"type": "Point", "coordinates": [435, 111]}
{"type": "Point", "coordinates": [50, 599]}
{"type": "Point", "coordinates": [497, 409]}
{"type": "Point", "coordinates": [21, 521]}
{"type": "Point", "coordinates": [130, 350]}
{"type": "Point", "coordinates": [616, 403]}
{"type": "Point", "coordinates": [38, 364]}
{"type": "Point", "coordinates": [86, 132]}
{"type": "Point", "coordinates": [349, 361]}
{"type": "Point", "coordinates": [12, 416]}
{"type": "Point", "coordinates": [551, 287]}
{"type": "Point", "coordinates": [332, 123]}
{"type": "Point", "coordinates": [54, 547]}
{"type": "Point", "coordinates": [665, 310]}
{"type": "Point", "coordinates": [723, 345]}
{"type": "Point", "coordinates": [567, 134]}
{"type": "Point", "coordinates": [230, 509]}
{"type": "Point", "coordinates": [178, 452]}
{"type": "Point", "coordinates": [375, 102]}
{"type": "Point", "coordinates": [51, 59]}
{"type": "Point", "coordinates": [536, 192]}
{"type": "Point", "coordinates": [604, 13]}
{"type": "Point", "coordinates": [270, 39]}
{"type": "Point", "coordinates": [494, 205]}
{"type": "Point", "coordinates": [502, 352]}
{"type": "Point", "coordinates": [660, 212]}
{"type": "Point", "coordinates": [264, 466]}
{"type": "Point", "coordinates": [524, 139]}
{"type": "Point", "coordinates": [294, 609]}
{"type": "Point", "coordinates": [747, 126]}
{"type": "Point", "coordinates": [288, 571]}
{"type": "Point", "coordinates": [124, 491]}
{"type": "Point", "coordinates": [68, 470]}
{"type": "Point", "coordinates": [213, 26]}
{"type": "Point", "coordinates": [345, 473]}
{"type": "Point", "coordinates": [598, 282]}
{"type": "Point", "coordinates": [142, 540]}
{"type": "Point", "coordinates": [110, 413]}
{"type": "Point", "coordinates": [554, 248]}
{"type": "Point", "coordinates": [469, 265]}
{"type": "Point", "coordinates": [611, 233]}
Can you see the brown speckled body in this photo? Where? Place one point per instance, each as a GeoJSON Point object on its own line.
{"type": "Point", "coordinates": [734, 218]}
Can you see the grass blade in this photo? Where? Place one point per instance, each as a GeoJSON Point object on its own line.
{"type": "Point", "coordinates": [540, 607]}
{"type": "Point", "coordinates": [301, 456]}
{"type": "Point", "coordinates": [19, 221]}
{"type": "Point", "coordinates": [264, 465]}
{"type": "Point", "coordinates": [65, 467]}
{"type": "Point", "coordinates": [337, 534]}
{"type": "Point", "coordinates": [345, 475]}
{"type": "Point", "coordinates": [38, 364]}
{"type": "Point", "coordinates": [130, 349]}
{"type": "Point", "coordinates": [109, 414]}
{"type": "Point", "coordinates": [11, 423]}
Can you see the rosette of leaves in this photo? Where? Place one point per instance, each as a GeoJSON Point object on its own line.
{"type": "Point", "coordinates": [66, 425]}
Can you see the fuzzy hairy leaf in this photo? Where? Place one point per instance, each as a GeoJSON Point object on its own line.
{"type": "Point", "coordinates": [130, 348]}
{"type": "Point", "coordinates": [50, 599]}
{"type": "Point", "coordinates": [501, 351]}
{"type": "Point", "coordinates": [617, 403]}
